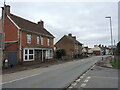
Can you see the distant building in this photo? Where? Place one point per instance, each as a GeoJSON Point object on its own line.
{"type": "Point", "coordinates": [96, 50]}
{"type": "Point", "coordinates": [90, 51]}
{"type": "Point", "coordinates": [70, 45]}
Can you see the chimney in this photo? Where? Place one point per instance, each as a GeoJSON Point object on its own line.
{"type": "Point", "coordinates": [70, 34]}
{"type": "Point", "coordinates": [41, 24]}
{"type": "Point", "coordinates": [74, 37]}
{"type": "Point", "coordinates": [6, 9]}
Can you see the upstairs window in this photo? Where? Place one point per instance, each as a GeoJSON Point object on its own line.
{"type": "Point", "coordinates": [42, 41]}
{"type": "Point", "coordinates": [38, 40]}
{"type": "Point", "coordinates": [48, 42]}
{"type": "Point", "coordinates": [29, 38]}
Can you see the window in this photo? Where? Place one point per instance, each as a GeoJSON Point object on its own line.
{"type": "Point", "coordinates": [48, 54]}
{"type": "Point", "coordinates": [29, 36]}
{"type": "Point", "coordinates": [38, 40]}
{"type": "Point", "coordinates": [28, 54]}
{"type": "Point", "coordinates": [42, 41]}
{"type": "Point", "coordinates": [48, 42]}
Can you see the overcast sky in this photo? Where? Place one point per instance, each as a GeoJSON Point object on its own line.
{"type": "Point", "coordinates": [85, 20]}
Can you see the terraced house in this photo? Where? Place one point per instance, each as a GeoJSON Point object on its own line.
{"type": "Point", "coordinates": [25, 41]}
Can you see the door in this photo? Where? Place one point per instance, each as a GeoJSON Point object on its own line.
{"type": "Point", "coordinates": [12, 58]}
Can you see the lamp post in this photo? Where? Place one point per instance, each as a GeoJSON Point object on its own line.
{"type": "Point", "coordinates": [111, 32]}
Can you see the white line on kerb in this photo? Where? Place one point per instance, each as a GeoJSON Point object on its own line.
{"type": "Point", "coordinates": [19, 79]}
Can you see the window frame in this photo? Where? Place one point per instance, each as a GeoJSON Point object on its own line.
{"type": "Point", "coordinates": [29, 38]}
{"type": "Point", "coordinates": [42, 41]}
{"type": "Point", "coordinates": [38, 39]}
{"type": "Point", "coordinates": [48, 42]}
{"type": "Point", "coordinates": [28, 55]}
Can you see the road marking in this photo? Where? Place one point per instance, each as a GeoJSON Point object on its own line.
{"type": "Point", "coordinates": [83, 85]}
{"type": "Point", "coordinates": [70, 87]}
{"type": "Point", "coordinates": [88, 77]}
{"type": "Point", "coordinates": [86, 81]}
{"type": "Point", "coordinates": [74, 84]}
{"type": "Point", "coordinates": [81, 77]}
{"type": "Point", "coordinates": [19, 79]}
{"type": "Point", "coordinates": [78, 80]}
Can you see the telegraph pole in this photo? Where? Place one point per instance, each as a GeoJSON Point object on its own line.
{"type": "Point", "coordinates": [2, 35]}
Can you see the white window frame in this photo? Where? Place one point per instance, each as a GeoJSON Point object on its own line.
{"type": "Point", "coordinates": [38, 40]}
{"type": "Point", "coordinates": [42, 41]}
{"type": "Point", "coordinates": [48, 42]}
{"type": "Point", "coordinates": [49, 54]}
{"type": "Point", "coordinates": [29, 38]}
{"type": "Point", "coordinates": [28, 55]}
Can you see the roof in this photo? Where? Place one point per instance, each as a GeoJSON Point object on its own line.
{"type": "Point", "coordinates": [72, 39]}
{"type": "Point", "coordinates": [29, 26]}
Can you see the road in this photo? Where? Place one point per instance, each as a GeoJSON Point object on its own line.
{"type": "Point", "coordinates": [98, 77]}
{"type": "Point", "coordinates": [56, 76]}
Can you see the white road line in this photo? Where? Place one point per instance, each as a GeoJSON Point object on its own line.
{"type": "Point", "coordinates": [83, 85]}
{"type": "Point", "coordinates": [88, 77]}
{"type": "Point", "coordinates": [78, 80]}
{"type": "Point", "coordinates": [86, 81]}
{"type": "Point", "coordinates": [83, 74]}
{"type": "Point", "coordinates": [81, 77]}
{"type": "Point", "coordinates": [70, 87]}
{"type": "Point", "coordinates": [74, 84]}
{"type": "Point", "coordinates": [19, 79]}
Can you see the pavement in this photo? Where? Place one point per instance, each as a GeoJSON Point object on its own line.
{"type": "Point", "coordinates": [101, 75]}
{"type": "Point", "coordinates": [19, 68]}
{"type": "Point", "coordinates": [54, 76]}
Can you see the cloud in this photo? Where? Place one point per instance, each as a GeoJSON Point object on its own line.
{"type": "Point", "coordinates": [86, 20]}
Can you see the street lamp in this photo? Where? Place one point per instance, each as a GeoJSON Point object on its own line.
{"type": "Point", "coordinates": [111, 32]}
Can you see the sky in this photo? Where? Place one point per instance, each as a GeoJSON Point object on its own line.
{"type": "Point", "coordinates": [85, 20]}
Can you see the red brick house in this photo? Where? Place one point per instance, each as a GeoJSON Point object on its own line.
{"type": "Point", "coordinates": [70, 45]}
{"type": "Point", "coordinates": [25, 41]}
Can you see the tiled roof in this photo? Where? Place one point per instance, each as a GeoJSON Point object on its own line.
{"type": "Point", "coordinates": [74, 40]}
{"type": "Point", "coordinates": [29, 26]}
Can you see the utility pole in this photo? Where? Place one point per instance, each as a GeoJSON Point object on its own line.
{"type": "Point", "coordinates": [2, 36]}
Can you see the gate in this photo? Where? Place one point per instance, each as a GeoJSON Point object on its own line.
{"type": "Point", "coordinates": [12, 58]}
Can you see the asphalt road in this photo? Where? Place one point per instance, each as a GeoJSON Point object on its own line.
{"type": "Point", "coordinates": [98, 77]}
{"type": "Point", "coordinates": [56, 76]}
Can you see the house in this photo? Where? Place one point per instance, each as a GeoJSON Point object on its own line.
{"type": "Point", "coordinates": [25, 41]}
{"type": "Point", "coordinates": [96, 50]}
{"type": "Point", "coordinates": [90, 51]}
{"type": "Point", "coordinates": [85, 50]}
{"type": "Point", "coordinates": [71, 46]}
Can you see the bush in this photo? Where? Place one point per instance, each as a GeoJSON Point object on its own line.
{"type": "Point", "coordinates": [60, 53]}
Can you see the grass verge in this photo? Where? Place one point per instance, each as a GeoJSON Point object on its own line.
{"type": "Point", "coordinates": [115, 63]}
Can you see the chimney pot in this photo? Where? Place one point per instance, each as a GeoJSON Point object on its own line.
{"type": "Point", "coordinates": [7, 9]}
{"type": "Point", "coordinates": [41, 24]}
{"type": "Point", "coordinates": [70, 34]}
